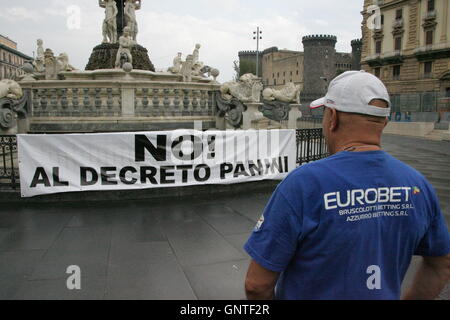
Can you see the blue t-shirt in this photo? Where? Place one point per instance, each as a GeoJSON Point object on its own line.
{"type": "Point", "coordinates": [346, 227]}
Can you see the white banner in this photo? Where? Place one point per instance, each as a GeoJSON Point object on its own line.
{"type": "Point", "coordinates": [118, 161]}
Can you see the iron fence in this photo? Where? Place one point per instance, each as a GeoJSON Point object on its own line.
{"type": "Point", "coordinates": [9, 169]}
{"type": "Point", "coordinates": [311, 146]}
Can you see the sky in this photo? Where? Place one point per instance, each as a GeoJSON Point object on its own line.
{"type": "Point", "coordinates": [222, 27]}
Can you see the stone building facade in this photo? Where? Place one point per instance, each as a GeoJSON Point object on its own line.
{"type": "Point", "coordinates": [312, 69]}
{"type": "Point", "coordinates": [11, 60]}
{"type": "Point", "coordinates": [410, 51]}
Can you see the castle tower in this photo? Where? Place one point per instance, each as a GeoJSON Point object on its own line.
{"type": "Point", "coordinates": [356, 54]}
{"type": "Point", "coordinates": [319, 65]}
{"type": "Point", "coordinates": [250, 56]}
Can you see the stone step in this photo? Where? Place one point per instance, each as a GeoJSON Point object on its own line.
{"type": "Point", "coordinates": [436, 135]}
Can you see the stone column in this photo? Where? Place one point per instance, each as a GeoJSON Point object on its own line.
{"type": "Point", "coordinates": [444, 36]}
{"type": "Point", "coordinates": [252, 113]}
{"type": "Point", "coordinates": [294, 115]}
{"type": "Point", "coordinates": [220, 123]}
{"type": "Point", "coordinates": [128, 102]}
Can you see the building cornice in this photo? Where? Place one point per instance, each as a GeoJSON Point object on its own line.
{"type": "Point", "coordinates": [16, 52]}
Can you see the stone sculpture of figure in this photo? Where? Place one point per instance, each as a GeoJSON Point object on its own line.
{"type": "Point", "coordinates": [110, 22]}
{"type": "Point", "coordinates": [177, 64]}
{"type": "Point", "coordinates": [186, 69]}
{"type": "Point", "coordinates": [288, 93]}
{"type": "Point", "coordinates": [39, 62]}
{"type": "Point", "coordinates": [63, 63]}
{"type": "Point", "coordinates": [247, 89]}
{"type": "Point", "coordinates": [130, 16]}
{"type": "Point", "coordinates": [197, 64]}
{"type": "Point", "coordinates": [10, 89]}
{"type": "Point", "coordinates": [125, 44]}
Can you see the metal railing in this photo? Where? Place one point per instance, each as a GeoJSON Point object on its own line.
{"type": "Point", "coordinates": [9, 168]}
{"type": "Point", "coordinates": [311, 146]}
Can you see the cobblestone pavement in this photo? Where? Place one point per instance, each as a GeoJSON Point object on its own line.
{"type": "Point", "coordinates": [189, 249]}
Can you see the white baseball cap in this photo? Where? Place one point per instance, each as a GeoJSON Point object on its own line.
{"type": "Point", "coordinates": [352, 91]}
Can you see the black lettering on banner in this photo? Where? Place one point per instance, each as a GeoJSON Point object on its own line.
{"type": "Point", "coordinates": [225, 168]}
{"type": "Point", "coordinates": [212, 147]}
{"type": "Point", "coordinates": [142, 143]}
{"type": "Point", "coordinates": [123, 175]}
{"type": "Point", "coordinates": [40, 177]}
{"type": "Point", "coordinates": [146, 175]}
{"type": "Point", "coordinates": [167, 174]}
{"type": "Point", "coordinates": [197, 148]}
{"type": "Point", "coordinates": [256, 169]}
{"type": "Point", "coordinates": [56, 179]}
{"type": "Point", "coordinates": [240, 170]}
{"type": "Point", "coordinates": [273, 165]}
{"type": "Point", "coordinates": [107, 176]}
{"type": "Point", "coordinates": [197, 173]}
{"type": "Point", "coordinates": [184, 172]}
{"type": "Point", "coordinates": [83, 174]}
{"type": "Point", "coordinates": [286, 164]}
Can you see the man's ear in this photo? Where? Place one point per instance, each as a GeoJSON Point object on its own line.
{"type": "Point", "coordinates": [334, 119]}
{"type": "Point", "coordinates": [386, 122]}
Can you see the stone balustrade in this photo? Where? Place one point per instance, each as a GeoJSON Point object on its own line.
{"type": "Point", "coordinates": [100, 99]}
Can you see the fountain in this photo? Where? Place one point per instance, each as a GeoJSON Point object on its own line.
{"type": "Point", "coordinates": [119, 89]}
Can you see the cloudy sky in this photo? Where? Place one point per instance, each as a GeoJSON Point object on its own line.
{"type": "Point", "coordinates": [223, 27]}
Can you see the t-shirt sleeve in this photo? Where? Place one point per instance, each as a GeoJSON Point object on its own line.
{"type": "Point", "coordinates": [436, 242]}
{"type": "Point", "coordinates": [274, 240]}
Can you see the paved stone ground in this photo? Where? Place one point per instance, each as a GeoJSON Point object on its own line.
{"type": "Point", "coordinates": [148, 250]}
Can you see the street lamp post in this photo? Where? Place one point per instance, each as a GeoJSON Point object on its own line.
{"type": "Point", "coordinates": [257, 37]}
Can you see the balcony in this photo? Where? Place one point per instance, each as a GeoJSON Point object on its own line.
{"type": "Point", "coordinates": [434, 51]}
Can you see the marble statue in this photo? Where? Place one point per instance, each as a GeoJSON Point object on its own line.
{"type": "Point", "coordinates": [126, 42]}
{"type": "Point", "coordinates": [51, 65]}
{"type": "Point", "coordinates": [186, 68]}
{"type": "Point", "coordinates": [110, 22]}
{"type": "Point", "coordinates": [247, 89]}
{"type": "Point", "coordinates": [288, 93]}
{"type": "Point", "coordinates": [10, 89]}
{"type": "Point", "coordinates": [63, 63]}
{"type": "Point", "coordinates": [177, 64]}
{"type": "Point", "coordinates": [39, 63]}
{"type": "Point", "coordinates": [207, 71]}
{"type": "Point", "coordinates": [130, 16]}
{"type": "Point", "coordinates": [197, 64]}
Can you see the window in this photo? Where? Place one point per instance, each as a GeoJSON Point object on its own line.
{"type": "Point", "coordinates": [274, 82]}
{"type": "Point", "coordinates": [428, 68]}
{"type": "Point", "coordinates": [297, 72]}
{"type": "Point", "coordinates": [396, 72]}
{"type": "Point", "coordinates": [398, 43]}
{"type": "Point", "coordinates": [430, 5]}
{"type": "Point", "coordinates": [377, 72]}
{"type": "Point", "coordinates": [447, 92]}
{"type": "Point", "coordinates": [378, 47]}
{"type": "Point", "coordinates": [382, 19]}
{"type": "Point", "coordinates": [429, 37]}
{"type": "Point", "coordinates": [399, 14]}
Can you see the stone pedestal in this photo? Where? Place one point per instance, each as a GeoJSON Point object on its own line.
{"type": "Point", "coordinates": [104, 57]}
{"type": "Point", "coordinates": [127, 102]}
{"type": "Point", "coordinates": [221, 123]}
{"type": "Point", "coordinates": [294, 115]}
{"type": "Point", "coordinates": [23, 125]}
{"type": "Point", "coordinates": [251, 114]}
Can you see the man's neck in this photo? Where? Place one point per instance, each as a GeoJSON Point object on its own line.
{"type": "Point", "coordinates": [358, 146]}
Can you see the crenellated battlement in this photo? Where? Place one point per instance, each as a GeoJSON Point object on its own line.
{"type": "Point", "coordinates": [356, 42]}
{"type": "Point", "coordinates": [319, 37]}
